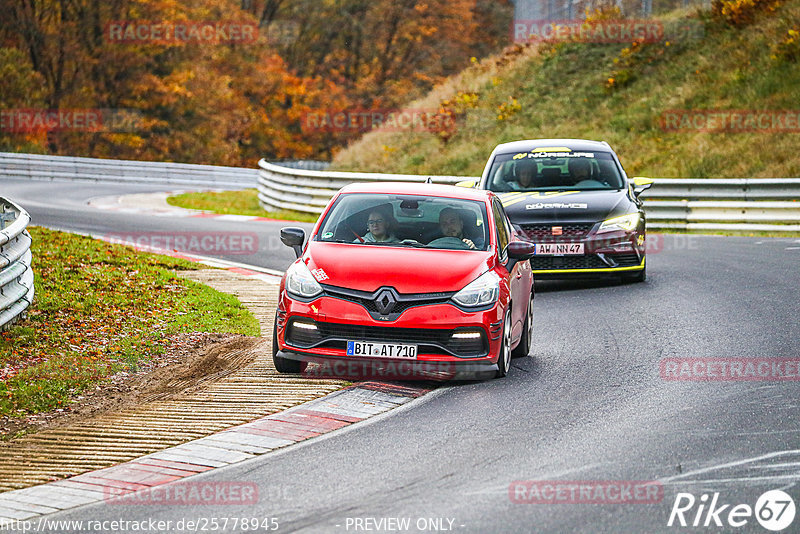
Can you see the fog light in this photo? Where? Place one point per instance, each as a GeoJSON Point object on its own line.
{"type": "Point", "coordinates": [466, 335]}
{"type": "Point", "coordinates": [468, 342]}
{"type": "Point", "coordinates": [622, 246]}
{"type": "Point", "coordinates": [303, 333]}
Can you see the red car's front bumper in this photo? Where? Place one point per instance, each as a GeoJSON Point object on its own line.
{"type": "Point", "coordinates": [451, 343]}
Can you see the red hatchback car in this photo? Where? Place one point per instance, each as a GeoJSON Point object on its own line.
{"type": "Point", "coordinates": [406, 280]}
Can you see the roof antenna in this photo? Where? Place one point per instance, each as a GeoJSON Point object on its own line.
{"type": "Point", "coordinates": [429, 180]}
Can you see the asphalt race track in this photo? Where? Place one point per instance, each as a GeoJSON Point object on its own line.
{"type": "Point", "coordinates": [589, 404]}
{"type": "Point", "coordinates": [63, 206]}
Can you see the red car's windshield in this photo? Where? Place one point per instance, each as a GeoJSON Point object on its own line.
{"type": "Point", "coordinates": [406, 221]}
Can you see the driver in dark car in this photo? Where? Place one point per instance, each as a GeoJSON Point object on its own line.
{"type": "Point", "coordinates": [526, 170]}
{"type": "Point", "coordinates": [451, 225]}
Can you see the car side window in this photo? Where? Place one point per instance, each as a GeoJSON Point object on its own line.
{"type": "Point", "coordinates": [501, 223]}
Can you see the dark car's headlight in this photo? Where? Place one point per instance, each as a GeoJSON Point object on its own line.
{"type": "Point", "coordinates": [482, 291]}
{"type": "Point", "coordinates": [624, 222]}
{"type": "Point", "coordinates": [299, 281]}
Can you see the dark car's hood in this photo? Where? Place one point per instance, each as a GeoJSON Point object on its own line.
{"type": "Point", "coordinates": [407, 269]}
{"type": "Point", "coordinates": [565, 206]}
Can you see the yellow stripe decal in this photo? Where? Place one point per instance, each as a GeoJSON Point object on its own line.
{"type": "Point", "coordinates": [509, 196]}
{"type": "Point", "coordinates": [606, 270]}
{"type": "Point", "coordinates": [513, 201]}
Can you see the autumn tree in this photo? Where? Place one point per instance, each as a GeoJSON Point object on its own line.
{"type": "Point", "coordinates": [228, 102]}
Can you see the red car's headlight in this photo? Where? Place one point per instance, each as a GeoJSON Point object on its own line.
{"type": "Point", "coordinates": [482, 291]}
{"type": "Point", "coordinates": [299, 281]}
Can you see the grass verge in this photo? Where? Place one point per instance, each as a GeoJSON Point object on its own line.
{"type": "Point", "coordinates": [243, 202]}
{"type": "Point", "coordinates": [100, 309]}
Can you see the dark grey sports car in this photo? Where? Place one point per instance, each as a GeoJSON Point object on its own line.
{"type": "Point", "coordinates": [573, 199]}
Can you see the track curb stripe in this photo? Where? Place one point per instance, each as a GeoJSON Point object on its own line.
{"type": "Point", "coordinates": [314, 418]}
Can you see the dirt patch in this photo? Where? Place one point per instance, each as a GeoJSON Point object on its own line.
{"type": "Point", "coordinates": [191, 361]}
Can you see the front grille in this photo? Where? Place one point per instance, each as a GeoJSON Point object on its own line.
{"type": "Point", "coordinates": [403, 302]}
{"type": "Point", "coordinates": [385, 334]}
{"type": "Point", "coordinates": [429, 340]}
{"type": "Point", "coordinates": [544, 263]}
{"type": "Point", "coordinates": [400, 307]}
{"type": "Point", "coordinates": [544, 232]}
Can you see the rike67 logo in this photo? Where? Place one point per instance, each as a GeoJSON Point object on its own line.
{"type": "Point", "coordinates": [774, 510]}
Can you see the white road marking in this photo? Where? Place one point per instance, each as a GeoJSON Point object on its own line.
{"type": "Point", "coordinates": [731, 464]}
{"type": "Point", "coordinates": [794, 476]}
{"type": "Point", "coordinates": [236, 217]}
{"type": "Point", "coordinates": [773, 466]}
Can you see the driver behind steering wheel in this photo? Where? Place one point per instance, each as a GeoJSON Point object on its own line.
{"type": "Point", "coordinates": [451, 225]}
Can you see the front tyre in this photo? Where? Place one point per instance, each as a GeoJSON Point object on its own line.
{"type": "Point", "coordinates": [504, 358]}
{"type": "Point", "coordinates": [283, 365]}
{"type": "Point", "coordinates": [524, 346]}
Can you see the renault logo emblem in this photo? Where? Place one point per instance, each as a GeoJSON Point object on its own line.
{"type": "Point", "coordinates": [385, 301]}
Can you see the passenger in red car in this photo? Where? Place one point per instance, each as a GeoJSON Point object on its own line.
{"type": "Point", "coordinates": [379, 229]}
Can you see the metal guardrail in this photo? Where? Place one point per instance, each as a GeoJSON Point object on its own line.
{"type": "Point", "coordinates": [41, 167]}
{"type": "Point", "coordinates": [746, 204]}
{"type": "Point", "coordinates": [308, 191]}
{"type": "Point", "coordinates": [16, 275]}
{"type": "Point", "coordinates": [692, 204]}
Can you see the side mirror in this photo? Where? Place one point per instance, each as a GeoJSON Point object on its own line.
{"type": "Point", "coordinates": [466, 183]}
{"type": "Point", "coordinates": [519, 251]}
{"type": "Point", "coordinates": [640, 184]}
{"type": "Point", "coordinates": [293, 237]}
